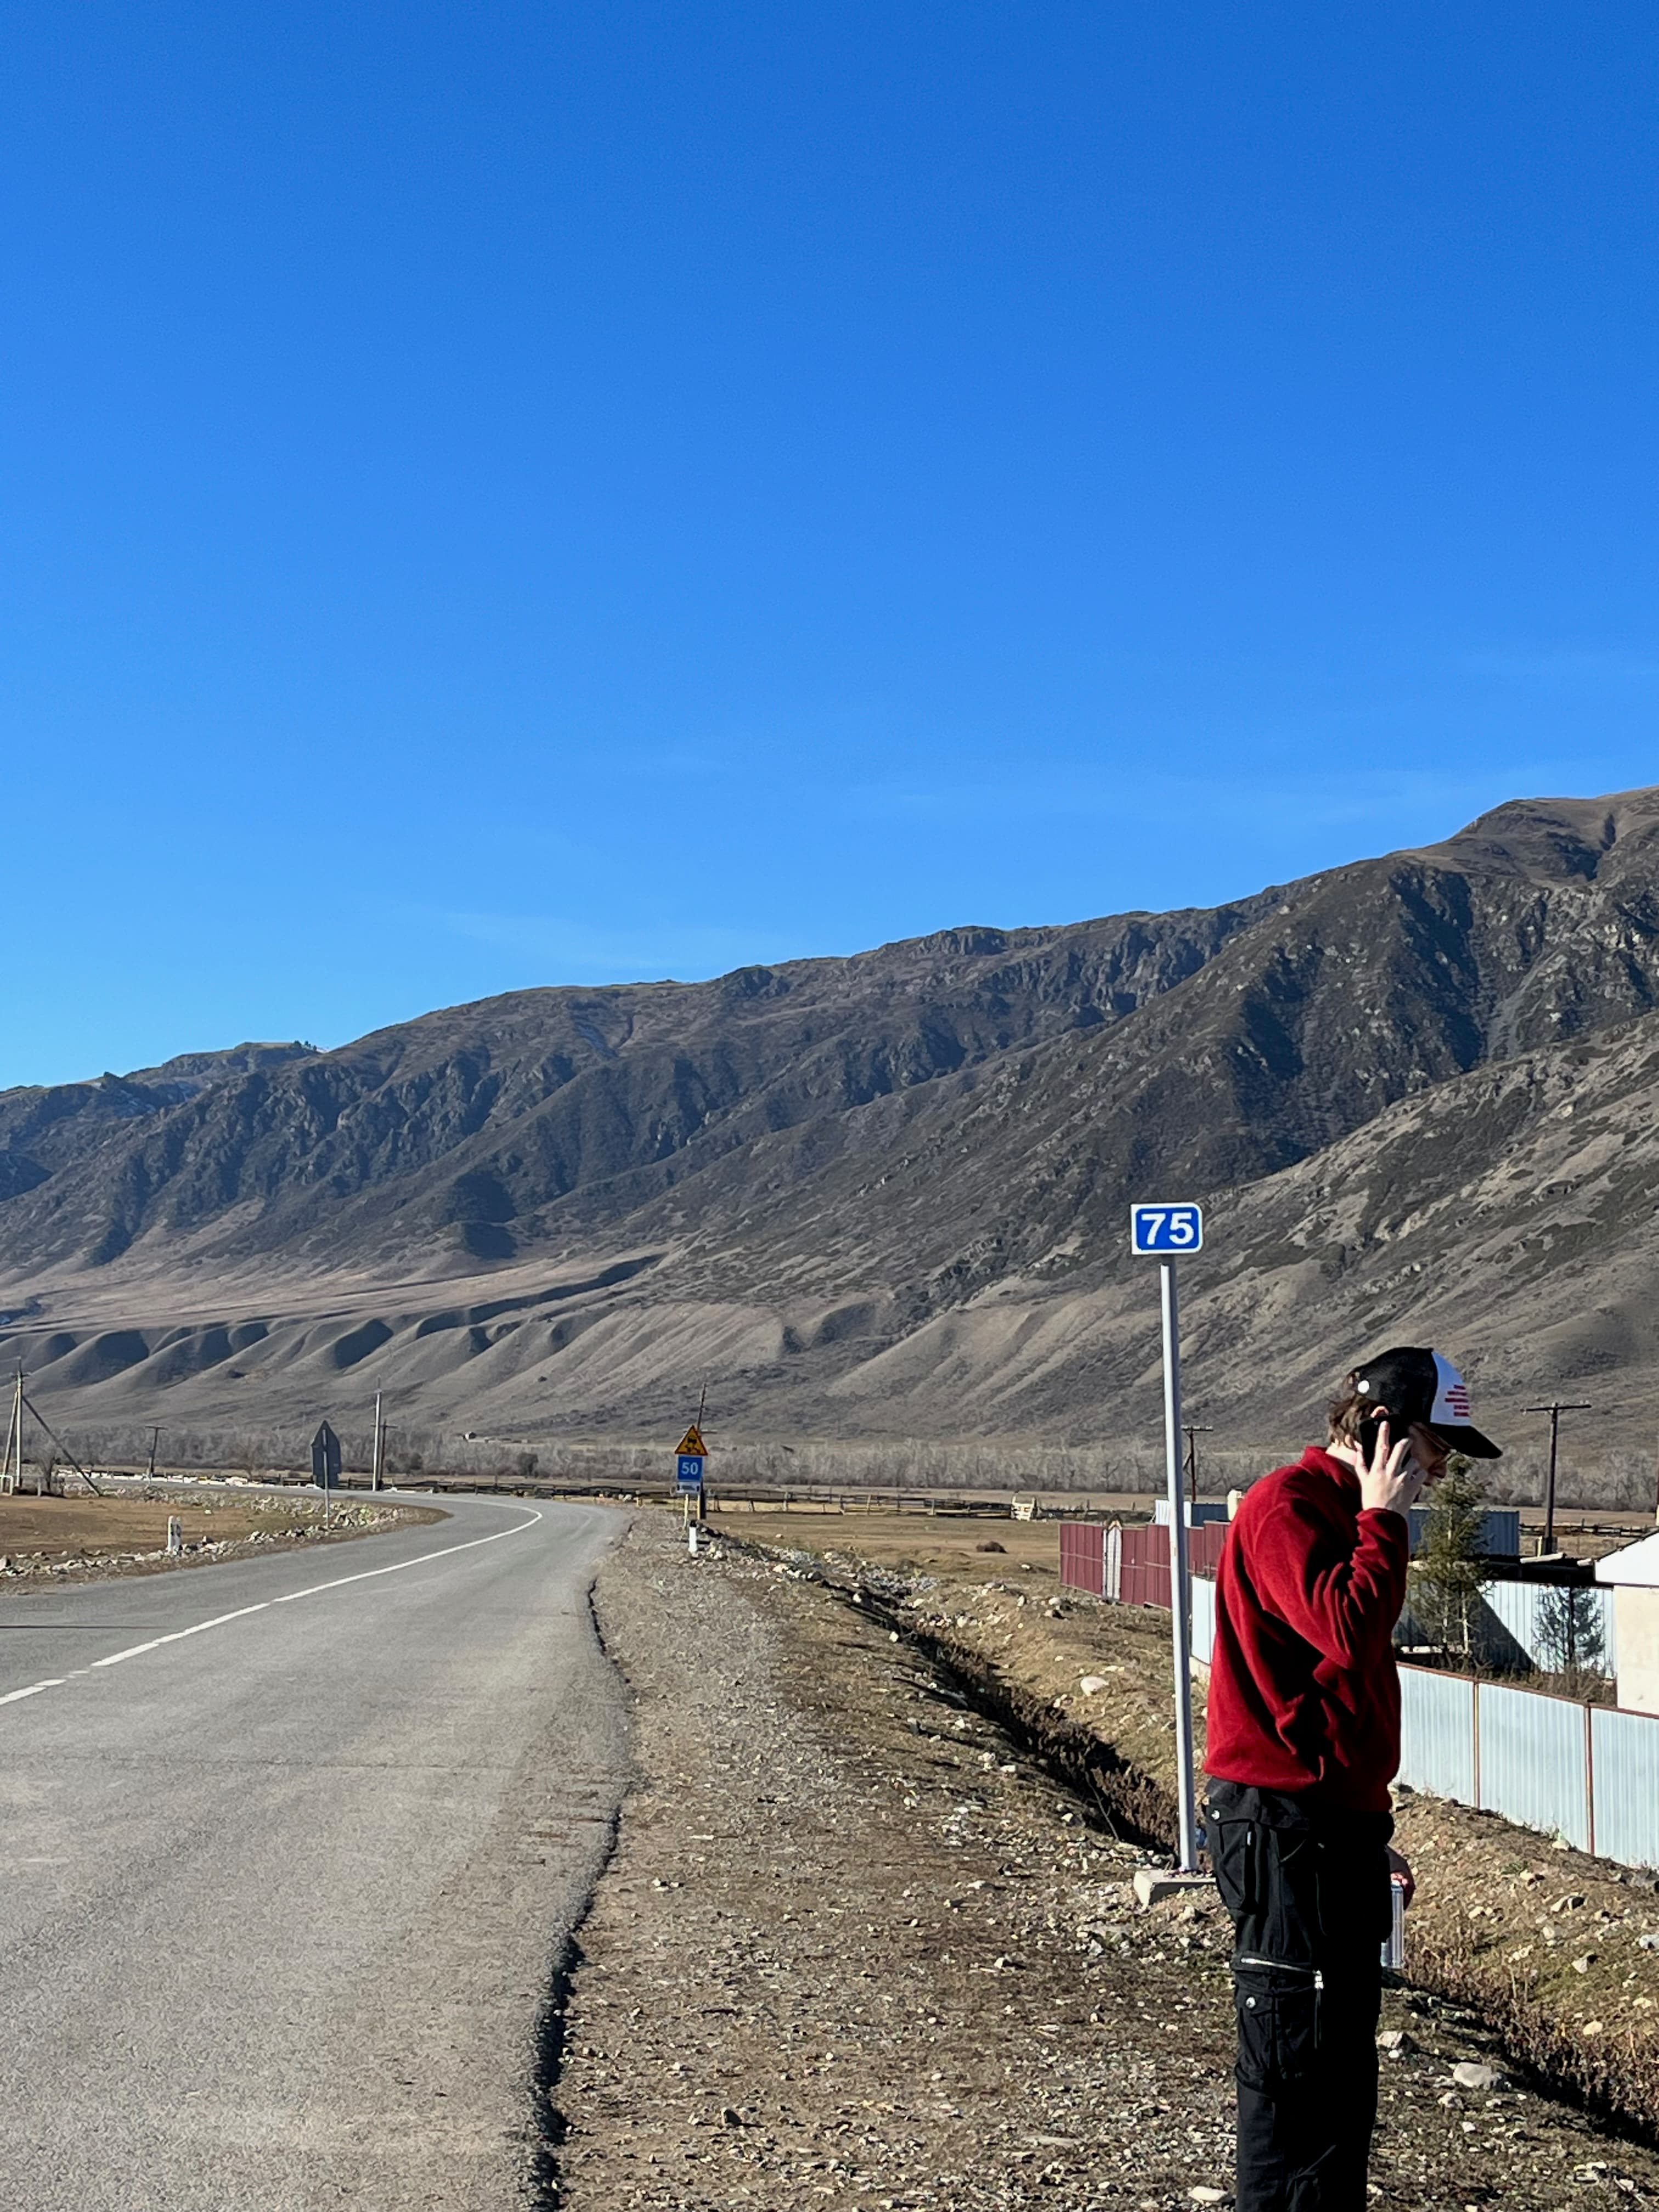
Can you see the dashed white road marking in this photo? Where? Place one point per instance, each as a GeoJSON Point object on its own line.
{"type": "Point", "coordinates": [200, 1627]}
{"type": "Point", "coordinates": [290, 1597]}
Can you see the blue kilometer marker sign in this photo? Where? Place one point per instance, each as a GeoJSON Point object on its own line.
{"type": "Point", "coordinates": [1166, 1232]}
{"type": "Point", "coordinates": [688, 1471]}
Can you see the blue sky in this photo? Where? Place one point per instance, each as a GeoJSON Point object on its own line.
{"type": "Point", "coordinates": [496, 495]}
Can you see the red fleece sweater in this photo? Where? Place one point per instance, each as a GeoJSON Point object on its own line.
{"type": "Point", "coordinates": [1304, 1691]}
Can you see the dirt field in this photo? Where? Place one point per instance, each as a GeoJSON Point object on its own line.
{"type": "Point", "coordinates": [1500, 1911]}
{"type": "Point", "coordinates": [855, 1941]}
{"type": "Point", "coordinates": [81, 1535]}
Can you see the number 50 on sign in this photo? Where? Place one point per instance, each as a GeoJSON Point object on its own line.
{"type": "Point", "coordinates": [1166, 1231]}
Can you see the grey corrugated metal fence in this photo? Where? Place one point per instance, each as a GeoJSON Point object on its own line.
{"type": "Point", "coordinates": [1588, 1773]}
{"type": "Point", "coordinates": [1437, 1732]}
{"type": "Point", "coordinates": [1509, 1626]}
{"type": "Point", "coordinates": [1203, 1644]}
{"type": "Point", "coordinates": [1624, 1791]}
{"type": "Point", "coordinates": [1534, 1760]}
{"type": "Point", "coordinates": [1518, 1607]}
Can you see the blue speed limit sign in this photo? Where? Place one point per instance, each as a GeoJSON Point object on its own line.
{"type": "Point", "coordinates": [1167, 1230]}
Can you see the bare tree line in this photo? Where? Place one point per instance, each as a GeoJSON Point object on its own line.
{"type": "Point", "coordinates": [1612, 1480]}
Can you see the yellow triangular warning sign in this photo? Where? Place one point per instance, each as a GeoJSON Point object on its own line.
{"type": "Point", "coordinates": [692, 1443]}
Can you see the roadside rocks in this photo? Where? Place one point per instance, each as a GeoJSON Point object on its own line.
{"type": "Point", "coordinates": [1471, 2073]}
{"type": "Point", "coordinates": [97, 1561]}
{"type": "Point", "coordinates": [850, 1908]}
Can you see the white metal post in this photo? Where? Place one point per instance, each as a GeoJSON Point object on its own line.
{"type": "Point", "coordinates": [14, 1430]}
{"type": "Point", "coordinates": [1181, 1605]}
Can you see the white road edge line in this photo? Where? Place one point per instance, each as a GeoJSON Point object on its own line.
{"type": "Point", "coordinates": [316, 1590]}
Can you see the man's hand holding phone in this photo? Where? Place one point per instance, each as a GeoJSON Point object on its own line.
{"type": "Point", "coordinates": [1390, 1480]}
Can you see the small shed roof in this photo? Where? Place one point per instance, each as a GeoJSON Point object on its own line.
{"type": "Point", "coordinates": [1637, 1564]}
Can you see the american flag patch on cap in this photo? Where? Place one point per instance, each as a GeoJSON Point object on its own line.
{"type": "Point", "coordinates": [1451, 1397]}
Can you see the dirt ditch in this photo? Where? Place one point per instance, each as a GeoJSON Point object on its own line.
{"type": "Point", "coordinates": [858, 1941]}
{"type": "Point", "coordinates": [1559, 1952]}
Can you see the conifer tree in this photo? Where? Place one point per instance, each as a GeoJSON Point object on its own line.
{"type": "Point", "coordinates": [1449, 1566]}
{"type": "Point", "coordinates": [1570, 1640]}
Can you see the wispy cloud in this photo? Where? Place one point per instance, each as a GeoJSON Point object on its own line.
{"type": "Point", "coordinates": [1056, 791]}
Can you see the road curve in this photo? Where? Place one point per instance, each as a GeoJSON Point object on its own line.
{"type": "Point", "coordinates": [288, 1847]}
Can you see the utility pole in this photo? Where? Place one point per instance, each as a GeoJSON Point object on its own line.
{"type": "Point", "coordinates": [154, 1438]}
{"type": "Point", "coordinates": [11, 1479]}
{"type": "Point", "coordinates": [52, 1436]}
{"type": "Point", "coordinates": [702, 1487]}
{"type": "Point", "coordinates": [1194, 1430]}
{"type": "Point", "coordinates": [377, 1462]}
{"type": "Point", "coordinates": [1555, 1408]}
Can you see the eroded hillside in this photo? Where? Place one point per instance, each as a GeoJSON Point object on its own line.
{"type": "Point", "coordinates": [885, 1194]}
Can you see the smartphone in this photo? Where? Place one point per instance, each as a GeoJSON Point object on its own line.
{"type": "Point", "coordinates": [1369, 1425]}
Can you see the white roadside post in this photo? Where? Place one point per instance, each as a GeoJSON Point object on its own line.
{"type": "Point", "coordinates": [690, 1458]}
{"type": "Point", "coordinates": [1164, 1232]}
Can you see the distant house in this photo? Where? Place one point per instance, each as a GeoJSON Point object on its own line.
{"type": "Point", "coordinates": [1633, 1575]}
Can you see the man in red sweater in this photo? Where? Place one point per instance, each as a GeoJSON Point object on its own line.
{"type": "Point", "coordinates": [1303, 1741]}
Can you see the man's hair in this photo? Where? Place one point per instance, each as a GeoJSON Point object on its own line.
{"type": "Point", "coordinates": [1347, 1410]}
{"type": "Point", "coordinates": [1350, 1407]}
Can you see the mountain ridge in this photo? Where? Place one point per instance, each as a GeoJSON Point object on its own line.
{"type": "Point", "coordinates": [883, 1192]}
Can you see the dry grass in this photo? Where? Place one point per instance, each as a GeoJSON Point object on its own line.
{"type": "Point", "coordinates": [91, 1527]}
{"type": "Point", "coordinates": [903, 1543]}
{"type": "Point", "coordinates": [86, 1535]}
{"type": "Point", "coordinates": [1572, 2011]}
{"type": "Point", "coordinates": [1615, 2073]}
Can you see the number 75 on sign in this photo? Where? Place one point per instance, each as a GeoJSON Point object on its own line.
{"type": "Point", "coordinates": [1165, 1230]}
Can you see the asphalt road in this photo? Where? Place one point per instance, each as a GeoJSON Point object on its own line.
{"type": "Point", "coordinates": [287, 1850]}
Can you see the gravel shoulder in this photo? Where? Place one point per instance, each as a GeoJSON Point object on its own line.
{"type": "Point", "coordinates": [855, 1941]}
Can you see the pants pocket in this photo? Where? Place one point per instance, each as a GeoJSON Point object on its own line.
{"type": "Point", "coordinates": [1278, 2025]}
{"type": "Point", "coordinates": [1232, 1854]}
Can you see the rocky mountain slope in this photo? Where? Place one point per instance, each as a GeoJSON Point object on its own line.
{"type": "Point", "coordinates": [885, 1194]}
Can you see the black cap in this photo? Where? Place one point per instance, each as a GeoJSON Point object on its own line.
{"type": "Point", "coordinates": [1412, 1383]}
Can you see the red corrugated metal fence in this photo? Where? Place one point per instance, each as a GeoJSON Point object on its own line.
{"type": "Point", "coordinates": [1083, 1556]}
{"type": "Point", "coordinates": [1144, 1573]}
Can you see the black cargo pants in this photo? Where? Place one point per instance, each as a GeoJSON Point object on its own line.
{"type": "Point", "coordinates": [1308, 1895]}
